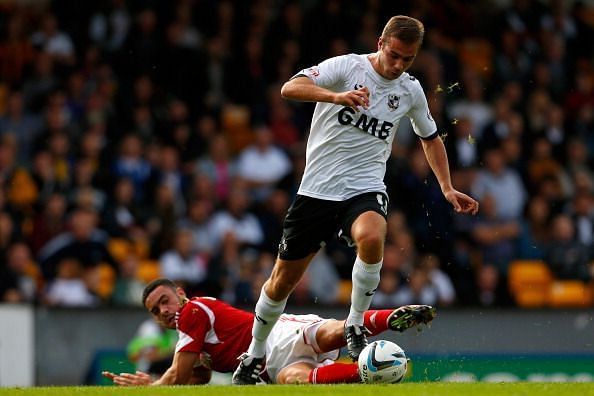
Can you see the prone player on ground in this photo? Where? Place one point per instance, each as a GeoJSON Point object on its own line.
{"type": "Point", "coordinates": [300, 349]}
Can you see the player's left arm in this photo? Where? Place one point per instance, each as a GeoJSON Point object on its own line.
{"type": "Point", "coordinates": [438, 160]}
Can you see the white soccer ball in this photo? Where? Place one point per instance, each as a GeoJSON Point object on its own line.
{"type": "Point", "coordinates": [382, 362]}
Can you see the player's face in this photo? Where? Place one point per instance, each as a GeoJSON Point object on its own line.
{"type": "Point", "coordinates": [163, 303]}
{"type": "Point", "coordinates": [395, 57]}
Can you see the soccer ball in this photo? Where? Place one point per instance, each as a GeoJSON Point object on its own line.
{"type": "Point", "coordinates": [382, 362]}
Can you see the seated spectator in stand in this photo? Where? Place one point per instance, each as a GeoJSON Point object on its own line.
{"type": "Point", "coordinates": [582, 214]}
{"type": "Point", "coordinates": [121, 215]}
{"type": "Point", "coordinates": [534, 229]}
{"type": "Point", "coordinates": [83, 242]}
{"type": "Point", "coordinates": [196, 220]}
{"type": "Point", "coordinates": [24, 271]}
{"type": "Point", "coordinates": [502, 183]}
{"type": "Point", "coordinates": [236, 218]}
{"type": "Point", "coordinates": [263, 165]}
{"type": "Point", "coordinates": [21, 123]}
{"type": "Point", "coordinates": [495, 236]}
{"type": "Point", "coordinates": [127, 288]}
{"type": "Point", "coordinates": [69, 288]}
{"type": "Point", "coordinates": [183, 264]}
{"type": "Point", "coordinates": [218, 166]}
{"type": "Point", "coordinates": [418, 289]}
{"type": "Point", "coordinates": [567, 257]}
{"type": "Point", "coordinates": [130, 163]}
{"type": "Point", "coordinates": [48, 222]}
{"type": "Point", "coordinates": [446, 294]}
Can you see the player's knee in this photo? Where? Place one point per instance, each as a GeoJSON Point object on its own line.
{"type": "Point", "coordinates": [370, 241]}
{"type": "Point", "coordinates": [293, 375]}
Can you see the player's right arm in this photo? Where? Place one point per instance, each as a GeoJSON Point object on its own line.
{"type": "Point", "coordinates": [303, 89]}
{"type": "Point", "coordinates": [180, 372]}
{"type": "Point", "coordinates": [184, 370]}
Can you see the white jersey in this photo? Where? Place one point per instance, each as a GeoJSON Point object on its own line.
{"type": "Point", "coordinates": [347, 150]}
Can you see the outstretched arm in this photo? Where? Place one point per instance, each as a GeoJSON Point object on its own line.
{"type": "Point", "coordinates": [181, 372]}
{"type": "Point", "coordinates": [438, 160]}
{"type": "Point", "coordinates": [304, 89]}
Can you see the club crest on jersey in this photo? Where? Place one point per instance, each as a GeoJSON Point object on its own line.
{"type": "Point", "coordinates": [393, 102]}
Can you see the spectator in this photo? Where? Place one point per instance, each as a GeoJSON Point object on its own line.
{"type": "Point", "coordinates": [263, 165]}
{"type": "Point", "coordinates": [196, 220]}
{"type": "Point", "coordinates": [83, 245]}
{"type": "Point", "coordinates": [237, 219]}
{"type": "Point", "coordinates": [24, 125]}
{"type": "Point", "coordinates": [567, 257]}
{"type": "Point", "coordinates": [24, 270]}
{"type": "Point", "coordinates": [495, 236]}
{"type": "Point", "coordinates": [69, 287]}
{"type": "Point", "coordinates": [534, 229]}
{"type": "Point", "coordinates": [48, 222]}
{"type": "Point", "coordinates": [129, 162]}
{"type": "Point", "coordinates": [446, 294]}
{"type": "Point", "coordinates": [502, 183]}
{"type": "Point", "coordinates": [183, 264]}
{"type": "Point", "coordinates": [218, 166]}
{"type": "Point", "coordinates": [582, 216]}
{"type": "Point", "coordinates": [121, 216]}
{"type": "Point", "coordinates": [54, 42]}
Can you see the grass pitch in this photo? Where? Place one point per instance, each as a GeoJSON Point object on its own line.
{"type": "Point", "coordinates": [416, 389]}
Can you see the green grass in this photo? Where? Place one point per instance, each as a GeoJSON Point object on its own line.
{"type": "Point", "coordinates": [414, 389]}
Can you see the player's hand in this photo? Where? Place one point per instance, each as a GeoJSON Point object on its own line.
{"type": "Point", "coordinates": [128, 379]}
{"type": "Point", "coordinates": [353, 99]}
{"type": "Point", "coordinates": [461, 202]}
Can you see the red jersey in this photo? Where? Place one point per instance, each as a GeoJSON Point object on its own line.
{"type": "Point", "coordinates": [205, 324]}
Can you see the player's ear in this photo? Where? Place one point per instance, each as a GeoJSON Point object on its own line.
{"type": "Point", "coordinates": [180, 292]}
{"type": "Point", "coordinates": [380, 43]}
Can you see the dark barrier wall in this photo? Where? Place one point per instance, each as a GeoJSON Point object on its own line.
{"type": "Point", "coordinates": [66, 341]}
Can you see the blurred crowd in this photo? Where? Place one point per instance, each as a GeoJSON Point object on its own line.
{"type": "Point", "coordinates": [148, 138]}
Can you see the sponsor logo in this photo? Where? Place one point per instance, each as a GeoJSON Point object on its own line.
{"type": "Point", "coordinates": [393, 102]}
{"type": "Point", "coordinates": [370, 125]}
{"type": "Point", "coordinates": [314, 71]}
{"type": "Point", "coordinates": [370, 292]}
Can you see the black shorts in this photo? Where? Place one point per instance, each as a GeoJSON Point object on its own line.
{"type": "Point", "coordinates": [311, 222]}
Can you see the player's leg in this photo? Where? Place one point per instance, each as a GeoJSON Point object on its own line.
{"type": "Point", "coordinates": [365, 220]}
{"type": "Point", "coordinates": [271, 304]}
{"type": "Point", "coordinates": [307, 373]}
{"type": "Point", "coordinates": [273, 298]}
{"type": "Point", "coordinates": [330, 335]}
{"type": "Point", "coordinates": [399, 319]}
{"type": "Point", "coordinates": [308, 223]}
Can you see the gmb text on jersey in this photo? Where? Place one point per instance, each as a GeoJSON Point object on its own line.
{"type": "Point", "coordinates": [370, 125]}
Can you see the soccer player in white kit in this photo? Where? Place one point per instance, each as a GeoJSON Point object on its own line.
{"type": "Point", "coordinates": [360, 102]}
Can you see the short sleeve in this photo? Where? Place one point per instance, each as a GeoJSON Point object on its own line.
{"type": "Point", "coordinates": [420, 116]}
{"type": "Point", "coordinates": [328, 73]}
{"type": "Point", "coordinates": [192, 326]}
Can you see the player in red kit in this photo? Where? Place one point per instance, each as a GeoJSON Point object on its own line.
{"type": "Point", "coordinates": [213, 334]}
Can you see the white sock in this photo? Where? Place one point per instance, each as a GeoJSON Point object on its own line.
{"type": "Point", "coordinates": [266, 315]}
{"type": "Point", "coordinates": [366, 277]}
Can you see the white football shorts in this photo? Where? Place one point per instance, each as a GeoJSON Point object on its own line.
{"type": "Point", "coordinates": [293, 340]}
